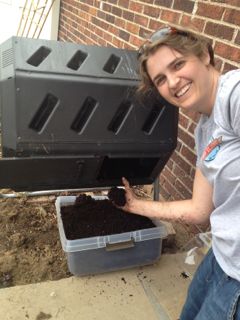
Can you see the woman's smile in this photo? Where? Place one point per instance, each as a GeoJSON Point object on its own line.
{"type": "Point", "coordinates": [184, 81]}
{"type": "Point", "coordinates": [183, 90]}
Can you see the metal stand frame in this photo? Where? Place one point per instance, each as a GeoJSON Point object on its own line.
{"type": "Point", "coordinates": [156, 189]}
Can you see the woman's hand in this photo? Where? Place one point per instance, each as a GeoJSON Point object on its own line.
{"type": "Point", "coordinates": [129, 195]}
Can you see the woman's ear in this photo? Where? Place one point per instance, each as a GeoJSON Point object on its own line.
{"type": "Point", "coordinates": [206, 58]}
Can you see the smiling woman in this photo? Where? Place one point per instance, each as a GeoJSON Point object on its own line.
{"type": "Point", "coordinates": [184, 42]}
{"type": "Point", "coordinates": [180, 66]}
{"type": "Point", "coordinates": [180, 79]}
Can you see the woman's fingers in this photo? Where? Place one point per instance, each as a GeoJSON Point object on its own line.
{"type": "Point", "coordinates": [125, 183]}
{"type": "Point", "coordinates": [129, 193]}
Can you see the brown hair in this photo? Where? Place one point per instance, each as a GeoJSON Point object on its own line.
{"type": "Point", "coordinates": [185, 42]}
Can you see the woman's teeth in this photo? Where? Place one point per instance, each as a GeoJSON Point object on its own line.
{"type": "Point", "coordinates": [183, 90]}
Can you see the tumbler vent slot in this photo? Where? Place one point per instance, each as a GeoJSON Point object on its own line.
{"type": "Point", "coordinates": [120, 116]}
{"type": "Point", "coordinates": [112, 63]}
{"type": "Point", "coordinates": [84, 115]}
{"type": "Point", "coordinates": [152, 119]}
{"type": "Point", "coordinates": [77, 60]}
{"type": "Point", "coordinates": [39, 56]}
{"type": "Point", "coordinates": [44, 112]}
{"type": "Point", "coordinates": [7, 57]}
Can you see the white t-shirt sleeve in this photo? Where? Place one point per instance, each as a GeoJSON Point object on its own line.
{"type": "Point", "coordinates": [234, 105]}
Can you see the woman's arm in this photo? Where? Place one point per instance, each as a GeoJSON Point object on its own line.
{"type": "Point", "coordinates": [196, 210]}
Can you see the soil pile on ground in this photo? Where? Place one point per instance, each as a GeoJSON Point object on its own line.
{"type": "Point", "coordinates": [90, 218]}
{"type": "Point", "coordinates": [30, 250]}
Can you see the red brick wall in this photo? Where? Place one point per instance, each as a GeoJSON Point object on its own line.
{"type": "Point", "coordinates": [126, 23]}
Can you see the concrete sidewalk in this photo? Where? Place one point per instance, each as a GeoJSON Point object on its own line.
{"type": "Point", "coordinates": [155, 292]}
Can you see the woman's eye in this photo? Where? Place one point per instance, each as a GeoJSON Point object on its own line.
{"type": "Point", "coordinates": [160, 81]}
{"type": "Point", "coordinates": [179, 64]}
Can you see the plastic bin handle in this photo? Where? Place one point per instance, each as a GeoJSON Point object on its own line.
{"type": "Point", "coordinates": [120, 245]}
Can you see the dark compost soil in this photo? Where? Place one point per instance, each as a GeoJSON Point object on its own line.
{"type": "Point", "coordinates": [90, 218]}
{"type": "Point", "coordinates": [117, 196]}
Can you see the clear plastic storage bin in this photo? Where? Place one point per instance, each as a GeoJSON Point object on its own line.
{"type": "Point", "coordinates": [111, 252]}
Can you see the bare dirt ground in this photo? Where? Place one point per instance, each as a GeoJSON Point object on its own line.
{"type": "Point", "coordinates": [30, 248]}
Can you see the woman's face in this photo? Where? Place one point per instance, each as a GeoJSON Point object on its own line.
{"type": "Point", "coordinates": [184, 81]}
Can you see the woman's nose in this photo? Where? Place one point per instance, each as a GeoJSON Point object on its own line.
{"type": "Point", "coordinates": [172, 81]}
